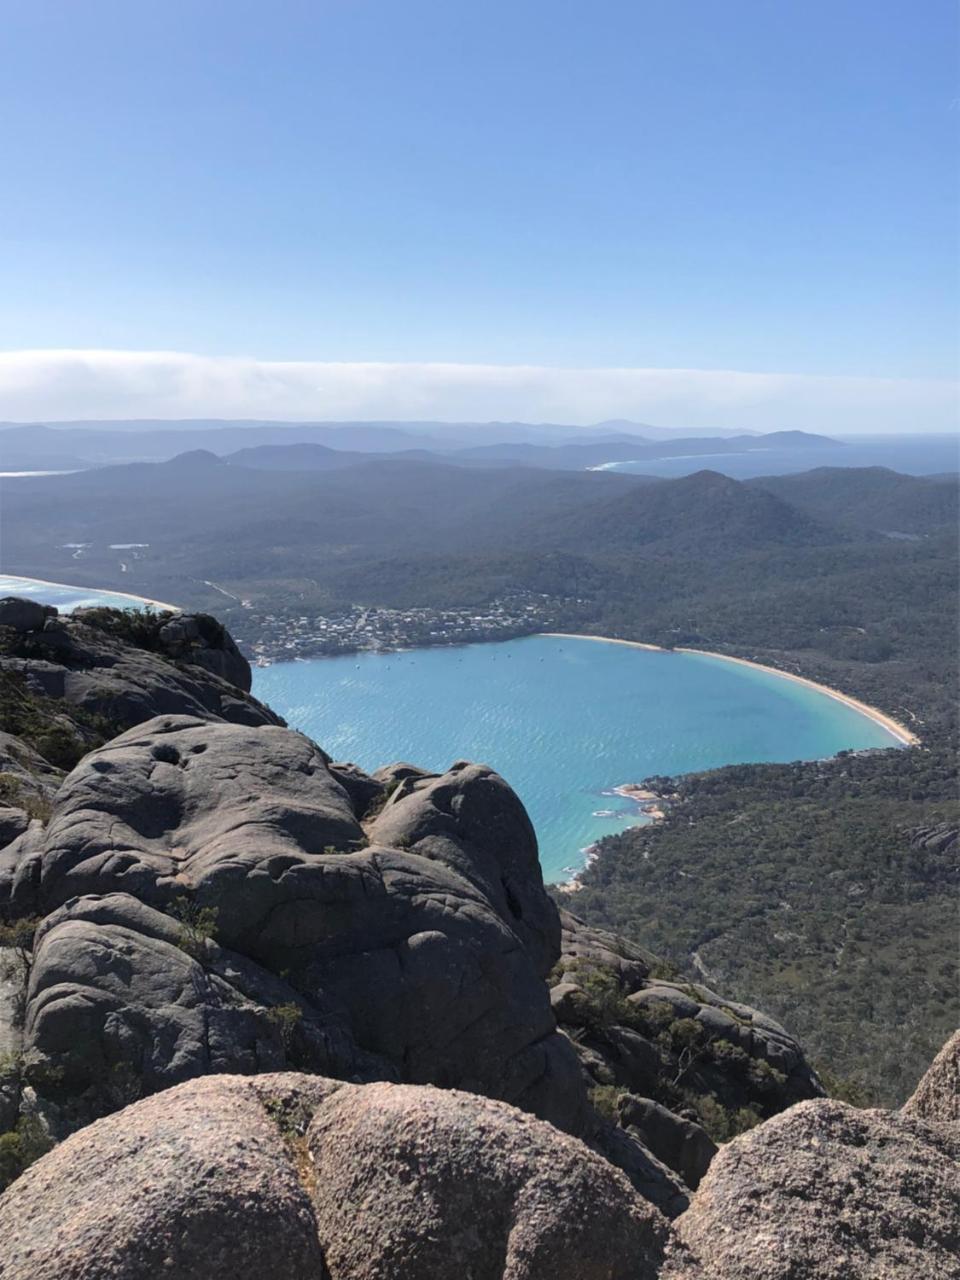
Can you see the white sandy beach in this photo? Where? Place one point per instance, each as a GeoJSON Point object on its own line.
{"type": "Point", "coordinates": [100, 591]}
{"type": "Point", "coordinates": [899, 731]}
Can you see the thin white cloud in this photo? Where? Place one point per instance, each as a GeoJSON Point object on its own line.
{"type": "Point", "coordinates": [61, 384]}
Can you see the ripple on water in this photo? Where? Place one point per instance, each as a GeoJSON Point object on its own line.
{"type": "Point", "coordinates": [563, 720]}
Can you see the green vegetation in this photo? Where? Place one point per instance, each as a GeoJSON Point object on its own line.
{"type": "Point", "coordinates": [21, 1146]}
{"type": "Point", "coordinates": [286, 1018]}
{"type": "Point", "coordinates": [28, 1140]}
{"type": "Point", "coordinates": [16, 959]}
{"type": "Point", "coordinates": [61, 734]}
{"type": "Point", "coordinates": [722, 1123]}
{"type": "Point", "coordinates": [824, 893]}
{"type": "Point", "coordinates": [15, 791]}
{"type": "Point", "coordinates": [138, 627]}
{"type": "Point", "coordinates": [689, 1058]}
{"type": "Point", "coordinates": [198, 926]}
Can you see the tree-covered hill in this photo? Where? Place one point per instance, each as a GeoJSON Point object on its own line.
{"type": "Point", "coordinates": [827, 890]}
{"type": "Point", "coordinates": [871, 499]}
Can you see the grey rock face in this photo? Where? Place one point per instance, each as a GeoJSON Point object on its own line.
{"type": "Point", "coordinates": [654, 1180]}
{"type": "Point", "coordinates": [418, 958]}
{"type": "Point", "coordinates": [25, 772]}
{"type": "Point", "coordinates": [24, 615]}
{"type": "Point", "coordinates": [365, 792]}
{"type": "Point", "coordinates": [20, 864]}
{"type": "Point", "coordinates": [203, 642]}
{"type": "Point", "coordinates": [297, 1178]}
{"type": "Point", "coordinates": [826, 1190]}
{"type": "Point", "coordinates": [681, 1144]}
{"type": "Point", "coordinates": [180, 804]}
{"type": "Point", "coordinates": [122, 1002]}
{"type": "Point", "coordinates": [585, 947]}
{"type": "Point", "coordinates": [473, 822]}
{"type": "Point", "coordinates": [937, 1096]}
{"type": "Point", "coordinates": [99, 674]}
{"type": "Point", "coordinates": [939, 838]}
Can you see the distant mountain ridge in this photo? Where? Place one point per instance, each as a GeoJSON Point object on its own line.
{"type": "Point", "coordinates": [704, 514]}
{"type": "Point", "coordinates": [44, 447]}
{"type": "Point", "coordinates": [871, 498]}
{"type": "Point", "coordinates": [209, 519]}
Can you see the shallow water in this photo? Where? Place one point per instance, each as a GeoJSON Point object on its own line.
{"type": "Point", "coordinates": [67, 598]}
{"type": "Point", "coordinates": [563, 720]}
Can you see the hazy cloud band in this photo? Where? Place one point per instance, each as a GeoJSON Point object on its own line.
{"type": "Point", "coordinates": [61, 384]}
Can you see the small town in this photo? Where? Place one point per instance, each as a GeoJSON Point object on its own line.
{"type": "Point", "coordinates": [278, 637]}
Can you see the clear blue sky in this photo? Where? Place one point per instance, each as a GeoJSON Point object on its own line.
{"type": "Point", "coordinates": [765, 185]}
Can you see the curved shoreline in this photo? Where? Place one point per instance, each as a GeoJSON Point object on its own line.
{"type": "Point", "coordinates": [906, 737]}
{"type": "Point", "coordinates": [100, 591]}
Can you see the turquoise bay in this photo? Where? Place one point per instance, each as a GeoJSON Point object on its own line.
{"type": "Point", "coordinates": [564, 720]}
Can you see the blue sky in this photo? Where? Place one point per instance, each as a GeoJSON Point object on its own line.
{"type": "Point", "coordinates": [761, 186]}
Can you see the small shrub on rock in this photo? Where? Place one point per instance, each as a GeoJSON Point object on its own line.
{"type": "Point", "coordinates": [198, 926]}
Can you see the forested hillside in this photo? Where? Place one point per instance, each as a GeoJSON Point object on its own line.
{"type": "Point", "coordinates": [827, 890]}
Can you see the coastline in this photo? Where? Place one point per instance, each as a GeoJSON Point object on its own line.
{"type": "Point", "coordinates": [649, 806]}
{"type": "Point", "coordinates": [103, 591]}
{"type": "Point", "coordinates": [906, 737]}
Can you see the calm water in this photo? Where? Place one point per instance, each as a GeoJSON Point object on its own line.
{"type": "Point", "coordinates": [912, 455]}
{"type": "Point", "coordinates": [563, 720]}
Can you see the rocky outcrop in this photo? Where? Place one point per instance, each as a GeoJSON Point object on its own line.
{"type": "Point", "coordinates": [214, 894]}
{"type": "Point", "coordinates": [764, 1064]}
{"type": "Point", "coordinates": [301, 1177]}
{"type": "Point", "coordinates": [422, 961]}
{"type": "Point", "coordinates": [91, 673]}
{"type": "Point", "coordinates": [122, 1002]}
{"type": "Point", "coordinates": [585, 948]}
{"type": "Point", "coordinates": [201, 641]}
{"type": "Point", "coordinates": [681, 1144]}
{"type": "Point", "coordinates": [295, 1177]}
{"type": "Point", "coordinates": [24, 615]}
{"type": "Point", "coordinates": [471, 821]}
{"type": "Point", "coordinates": [669, 1046]}
{"type": "Point", "coordinates": [828, 1190]}
{"type": "Point", "coordinates": [463, 1186]}
{"type": "Point", "coordinates": [937, 1096]}
{"type": "Point", "coordinates": [939, 839]}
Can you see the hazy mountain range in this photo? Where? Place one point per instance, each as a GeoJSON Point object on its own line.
{"type": "Point", "coordinates": [73, 446]}
{"type": "Point", "coordinates": [339, 524]}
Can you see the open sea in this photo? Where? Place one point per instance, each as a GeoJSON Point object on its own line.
{"type": "Point", "coordinates": [563, 720]}
{"type": "Point", "coordinates": [919, 455]}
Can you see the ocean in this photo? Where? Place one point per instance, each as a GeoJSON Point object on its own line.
{"type": "Point", "coordinates": [912, 455]}
{"type": "Point", "coordinates": [563, 720]}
